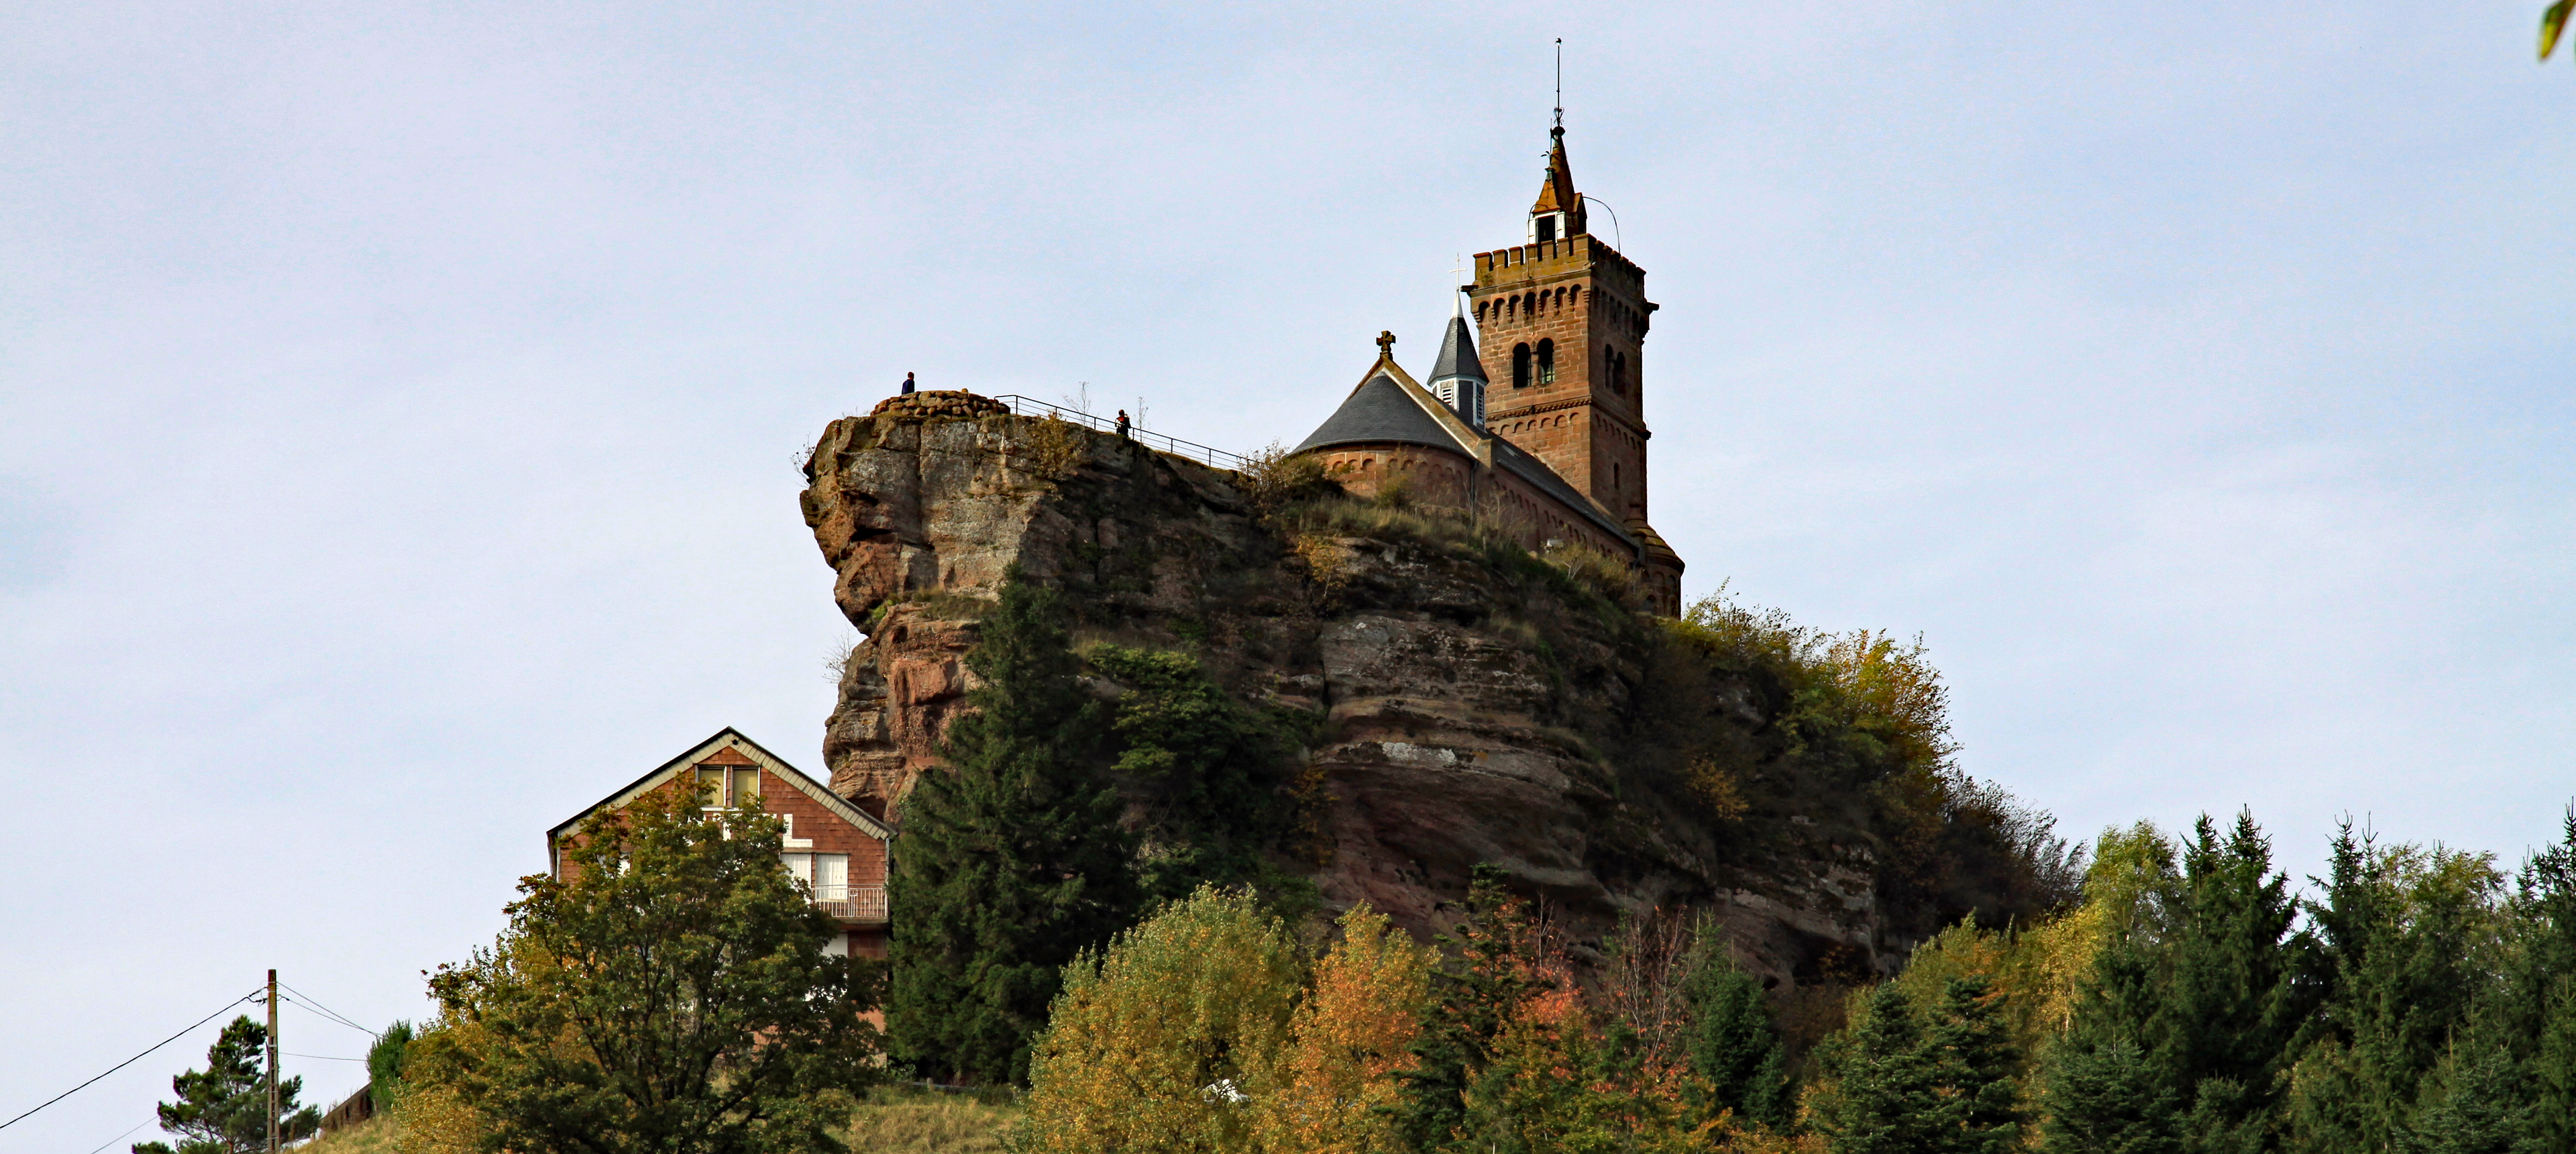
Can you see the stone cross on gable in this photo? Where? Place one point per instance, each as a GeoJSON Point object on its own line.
{"type": "Point", "coordinates": [1385, 343]}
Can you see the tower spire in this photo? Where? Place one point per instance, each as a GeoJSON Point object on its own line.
{"type": "Point", "coordinates": [1559, 130]}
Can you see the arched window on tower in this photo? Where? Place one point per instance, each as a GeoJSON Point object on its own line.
{"type": "Point", "coordinates": [1547, 362]}
{"type": "Point", "coordinates": [1520, 366]}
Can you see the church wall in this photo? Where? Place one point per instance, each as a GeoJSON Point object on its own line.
{"type": "Point", "coordinates": [1430, 476]}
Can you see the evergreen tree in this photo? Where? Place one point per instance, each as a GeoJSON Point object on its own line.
{"type": "Point", "coordinates": [1204, 768]}
{"type": "Point", "coordinates": [1979, 1068]}
{"type": "Point", "coordinates": [1012, 862]}
{"type": "Point", "coordinates": [385, 1061]}
{"type": "Point", "coordinates": [1471, 1004]}
{"type": "Point", "coordinates": [1732, 1043]}
{"type": "Point", "coordinates": [1883, 1094]}
{"type": "Point", "coordinates": [2104, 1099]}
{"type": "Point", "coordinates": [2235, 997]}
{"type": "Point", "coordinates": [2408, 942]}
{"type": "Point", "coordinates": [223, 1109]}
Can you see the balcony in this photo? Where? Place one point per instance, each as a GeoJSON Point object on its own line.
{"type": "Point", "coordinates": [862, 905]}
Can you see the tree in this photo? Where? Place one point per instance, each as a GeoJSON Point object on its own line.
{"type": "Point", "coordinates": [385, 1060]}
{"type": "Point", "coordinates": [1882, 1093]}
{"type": "Point", "coordinates": [1011, 863]}
{"type": "Point", "coordinates": [2104, 1099]}
{"type": "Point", "coordinates": [1204, 769]}
{"type": "Point", "coordinates": [671, 994]}
{"type": "Point", "coordinates": [223, 1109]}
{"type": "Point", "coordinates": [1973, 1050]}
{"type": "Point", "coordinates": [1166, 1040]}
{"type": "Point", "coordinates": [1471, 1004]}
{"type": "Point", "coordinates": [1732, 1044]}
{"type": "Point", "coordinates": [1334, 1088]}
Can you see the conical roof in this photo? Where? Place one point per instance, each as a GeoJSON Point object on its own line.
{"type": "Point", "coordinates": [1380, 410]}
{"type": "Point", "coordinates": [1458, 353]}
{"type": "Point", "coordinates": [1558, 194]}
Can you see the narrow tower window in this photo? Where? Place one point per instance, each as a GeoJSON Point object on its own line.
{"type": "Point", "coordinates": [1547, 362]}
{"type": "Point", "coordinates": [1546, 229]}
{"type": "Point", "coordinates": [1520, 366]}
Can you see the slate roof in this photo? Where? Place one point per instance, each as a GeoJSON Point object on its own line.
{"type": "Point", "coordinates": [1381, 411]}
{"type": "Point", "coordinates": [1458, 354]}
{"type": "Point", "coordinates": [1528, 468]}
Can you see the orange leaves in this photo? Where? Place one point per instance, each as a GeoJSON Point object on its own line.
{"type": "Point", "coordinates": [1329, 1087]}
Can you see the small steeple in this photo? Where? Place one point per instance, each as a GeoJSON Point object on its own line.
{"type": "Point", "coordinates": [1559, 211]}
{"type": "Point", "coordinates": [1458, 377]}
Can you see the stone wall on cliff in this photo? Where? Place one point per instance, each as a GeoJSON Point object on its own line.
{"type": "Point", "coordinates": [1460, 702]}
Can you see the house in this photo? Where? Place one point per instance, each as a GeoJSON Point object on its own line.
{"type": "Point", "coordinates": [833, 847]}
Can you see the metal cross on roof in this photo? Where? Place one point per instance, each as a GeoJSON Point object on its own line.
{"type": "Point", "coordinates": [1385, 343]}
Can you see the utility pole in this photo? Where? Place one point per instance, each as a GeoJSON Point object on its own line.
{"type": "Point", "coordinates": [272, 1062]}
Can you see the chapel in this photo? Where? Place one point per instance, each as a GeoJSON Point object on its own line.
{"type": "Point", "coordinates": [1555, 449]}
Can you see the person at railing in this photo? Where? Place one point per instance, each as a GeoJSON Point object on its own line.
{"type": "Point", "coordinates": [1122, 422]}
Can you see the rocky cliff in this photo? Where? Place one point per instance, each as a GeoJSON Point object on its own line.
{"type": "Point", "coordinates": [1475, 705]}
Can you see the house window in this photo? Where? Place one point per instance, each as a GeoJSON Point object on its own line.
{"type": "Point", "coordinates": [827, 875]}
{"type": "Point", "coordinates": [727, 787]}
{"type": "Point", "coordinates": [1547, 362]}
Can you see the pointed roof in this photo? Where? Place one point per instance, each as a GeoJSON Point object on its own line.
{"type": "Point", "coordinates": [1558, 194]}
{"type": "Point", "coordinates": [1458, 352]}
{"type": "Point", "coordinates": [1381, 411]}
{"type": "Point", "coordinates": [745, 751]}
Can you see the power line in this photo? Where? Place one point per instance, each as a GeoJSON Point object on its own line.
{"type": "Point", "coordinates": [130, 1061]}
{"type": "Point", "coordinates": [122, 1137]}
{"type": "Point", "coordinates": [306, 1000]}
{"type": "Point", "coordinates": [324, 1057]}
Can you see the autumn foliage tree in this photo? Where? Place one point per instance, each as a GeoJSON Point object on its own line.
{"type": "Point", "coordinates": [1164, 1040]}
{"type": "Point", "coordinates": [671, 994]}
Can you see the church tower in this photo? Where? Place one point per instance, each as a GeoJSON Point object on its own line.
{"type": "Point", "coordinates": [1562, 320]}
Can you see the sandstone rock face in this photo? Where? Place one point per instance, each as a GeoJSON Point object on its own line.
{"type": "Point", "coordinates": [1452, 735]}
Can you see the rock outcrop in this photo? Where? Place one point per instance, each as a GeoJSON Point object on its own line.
{"type": "Point", "coordinates": [1461, 704]}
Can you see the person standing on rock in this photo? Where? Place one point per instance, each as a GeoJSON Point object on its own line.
{"type": "Point", "coordinates": [907, 384]}
{"type": "Point", "coordinates": [1122, 422]}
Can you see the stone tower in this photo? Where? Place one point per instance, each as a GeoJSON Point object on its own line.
{"type": "Point", "coordinates": [1562, 318]}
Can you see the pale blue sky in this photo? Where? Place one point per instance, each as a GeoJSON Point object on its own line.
{"type": "Point", "coordinates": [396, 400]}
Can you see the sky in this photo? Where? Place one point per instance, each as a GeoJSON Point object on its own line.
{"type": "Point", "coordinates": [398, 402]}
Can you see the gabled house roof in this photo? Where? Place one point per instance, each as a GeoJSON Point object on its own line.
{"type": "Point", "coordinates": [733, 739]}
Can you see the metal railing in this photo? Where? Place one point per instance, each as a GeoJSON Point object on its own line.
{"type": "Point", "coordinates": [1217, 458]}
{"type": "Point", "coordinates": [852, 903]}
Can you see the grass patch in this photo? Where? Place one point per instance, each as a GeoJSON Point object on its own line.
{"type": "Point", "coordinates": [913, 1120]}
{"type": "Point", "coordinates": [377, 1135]}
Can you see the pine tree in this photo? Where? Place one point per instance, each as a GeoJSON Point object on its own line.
{"type": "Point", "coordinates": [1982, 1109]}
{"type": "Point", "coordinates": [1883, 1094]}
{"type": "Point", "coordinates": [1732, 1043]}
{"type": "Point", "coordinates": [2104, 1099]}
{"type": "Point", "coordinates": [223, 1109]}
{"type": "Point", "coordinates": [1012, 862]}
{"type": "Point", "coordinates": [1471, 1004]}
{"type": "Point", "coordinates": [2235, 997]}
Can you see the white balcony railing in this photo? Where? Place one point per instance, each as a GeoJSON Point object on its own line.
{"type": "Point", "coordinates": [852, 903]}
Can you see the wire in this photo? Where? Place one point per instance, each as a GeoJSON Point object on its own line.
{"type": "Point", "coordinates": [122, 1137]}
{"type": "Point", "coordinates": [324, 1057]}
{"type": "Point", "coordinates": [130, 1061]}
{"type": "Point", "coordinates": [326, 1012]}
